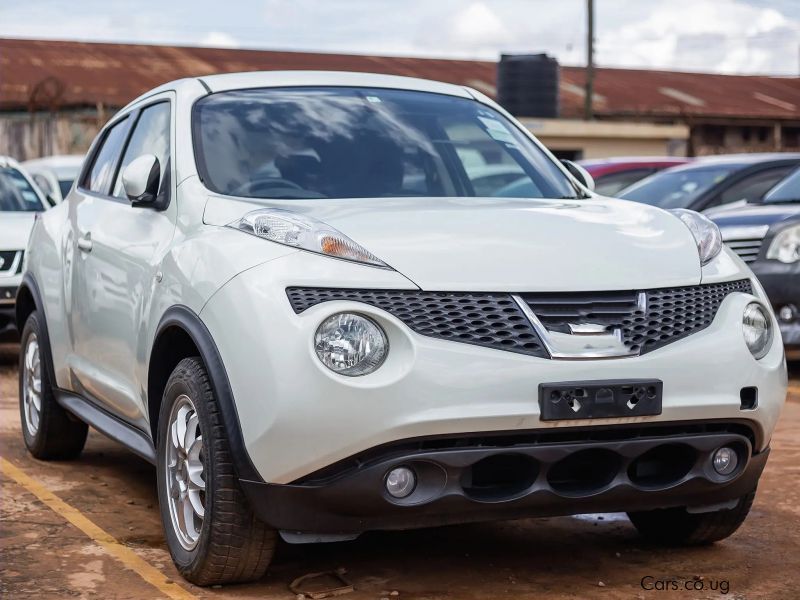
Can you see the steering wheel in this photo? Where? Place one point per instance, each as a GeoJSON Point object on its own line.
{"type": "Point", "coordinates": [263, 183]}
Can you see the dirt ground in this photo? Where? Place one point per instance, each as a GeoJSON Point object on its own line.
{"type": "Point", "coordinates": [42, 555]}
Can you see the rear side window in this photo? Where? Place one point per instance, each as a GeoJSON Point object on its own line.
{"type": "Point", "coordinates": [752, 188]}
{"type": "Point", "coordinates": [150, 136]}
{"type": "Point", "coordinates": [98, 179]}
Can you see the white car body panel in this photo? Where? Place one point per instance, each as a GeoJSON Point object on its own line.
{"type": "Point", "coordinates": [296, 416]}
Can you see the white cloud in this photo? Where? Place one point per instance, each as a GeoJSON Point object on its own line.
{"type": "Point", "coordinates": [219, 39]}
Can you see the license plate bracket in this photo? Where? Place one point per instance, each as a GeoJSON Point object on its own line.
{"type": "Point", "coordinates": [573, 400]}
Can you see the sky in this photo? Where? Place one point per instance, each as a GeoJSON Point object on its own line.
{"type": "Point", "coordinates": [724, 36]}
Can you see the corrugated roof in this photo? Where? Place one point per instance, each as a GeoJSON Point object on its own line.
{"type": "Point", "coordinates": [65, 74]}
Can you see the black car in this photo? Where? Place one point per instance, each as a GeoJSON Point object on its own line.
{"type": "Point", "coordinates": [710, 182]}
{"type": "Point", "coordinates": [767, 237]}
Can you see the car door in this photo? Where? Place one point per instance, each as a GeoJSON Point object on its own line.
{"type": "Point", "coordinates": [116, 258]}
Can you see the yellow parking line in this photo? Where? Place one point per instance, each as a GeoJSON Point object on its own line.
{"type": "Point", "coordinates": [119, 551]}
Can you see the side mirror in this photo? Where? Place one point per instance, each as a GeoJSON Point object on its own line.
{"type": "Point", "coordinates": [579, 173]}
{"type": "Point", "coordinates": [140, 180]}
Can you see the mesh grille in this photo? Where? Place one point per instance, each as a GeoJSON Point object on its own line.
{"type": "Point", "coordinates": [674, 313]}
{"type": "Point", "coordinates": [494, 320]}
{"type": "Point", "coordinates": [483, 319]}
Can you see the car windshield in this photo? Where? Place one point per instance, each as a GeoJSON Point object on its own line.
{"type": "Point", "coordinates": [679, 188]}
{"type": "Point", "coordinates": [16, 193]}
{"type": "Point", "coordinates": [787, 190]}
{"type": "Point", "coordinates": [306, 143]}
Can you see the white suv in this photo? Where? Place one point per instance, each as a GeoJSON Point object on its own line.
{"type": "Point", "coordinates": [284, 291]}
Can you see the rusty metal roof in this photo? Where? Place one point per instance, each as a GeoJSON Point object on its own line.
{"type": "Point", "coordinates": [58, 74]}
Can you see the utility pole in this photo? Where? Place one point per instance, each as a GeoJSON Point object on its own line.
{"type": "Point", "coordinates": [588, 112]}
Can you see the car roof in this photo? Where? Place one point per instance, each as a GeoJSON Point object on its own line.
{"type": "Point", "coordinates": [738, 160]}
{"type": "Point", "coordinates": [7, 161]}
{"type": "Point", "coordinates": [609, 166]}
{"type": "Point", "coordinates": [256, 79]}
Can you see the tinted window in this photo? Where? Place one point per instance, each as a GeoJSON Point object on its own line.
{"type": "Point", "coordinates": [787, 190]}
{"type": "Point", "coordinates": [358, 142]}
{"type": "Point", "coordinates": [16, 193]}
{"type": "Point", "coordinates": [98, 179]}
{"type": "Point", "coordinates": [65, 185]}
{"type": "Point", "coordinates": [677, 189]}
{"type": "Point", "coordinates": [610, 184]}
{"type": "Point", "coordinates": [752, 188]}
{"type": "Point", "coordinates": [150, 136]}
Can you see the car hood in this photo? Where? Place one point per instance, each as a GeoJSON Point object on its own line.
{"type": "Point", "coordinates": [493, 244]}
{"type": "Point", "coordinates": [15, 229]}
{"type": "Point", "coordinates": [755, 214]}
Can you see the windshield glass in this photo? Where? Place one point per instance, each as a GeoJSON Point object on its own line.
{"type": "Point", "coordinates": [787, 190]}
{"type": "Point", "coordinates": [16, 194]}
{"type": "Point", "coordinates": [677, 189]}
{"type": "Point", "coordinates": [364, 143]}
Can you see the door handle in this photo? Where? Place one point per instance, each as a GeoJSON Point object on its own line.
{"type": "Point", "coordinates": [85, 242]}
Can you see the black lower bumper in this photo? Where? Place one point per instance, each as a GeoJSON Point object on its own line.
{"type": "Point", "coordinates": [8, 328]}
{"type": "Point", "coordinates": [458, 485]}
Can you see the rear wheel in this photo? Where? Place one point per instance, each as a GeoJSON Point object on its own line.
{"type": "Point", "coordinates": [677, 527]}
{"type": "Point", "coordinates": [50, 432]}
{"type": "Point", "coordinates": [213, 535]}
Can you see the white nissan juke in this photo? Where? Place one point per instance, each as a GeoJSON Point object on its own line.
{"type": "Point", "coordinates": [287, 292]}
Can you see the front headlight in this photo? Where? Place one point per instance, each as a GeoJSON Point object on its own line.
{"type": "Point", "coordinates": [785, 247]}
{"type": "Point", "coordinates": [351, 344]}
{"type": "Point", "coordinates": [705, 231]}
{"type": "Point", "coordinates": [757, 328]}
{"type": "Point", "coordinates": [306, 233]}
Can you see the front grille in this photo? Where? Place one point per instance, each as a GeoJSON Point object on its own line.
{"type": "Point", "coordinates": [748, 250]}
{"type": "Point", "coordinates": [8, 260]}
{"type": "Point", "coordinates": [490, 320]}
{"type": "Point", "coordinates": [646, 320]}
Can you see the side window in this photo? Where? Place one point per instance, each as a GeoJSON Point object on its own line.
{"type": "Point", "coordinates": [150, 136]}
{"type": "Point", "coordinates": [752, 188]}
{"type": "Point", "coordinates": [98, 179]}
{"type": "Point", "coordinates": [608, 185]}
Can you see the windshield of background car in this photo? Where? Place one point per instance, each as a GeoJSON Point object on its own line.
{"type": "Point", "coordinates": [305, 143]}
{"type": "Point", "coordinates": [677, 189]}
{"type": "Point", "coordinates": [787, 190]}
{"type": "Point", "coordinates": [16, 193]}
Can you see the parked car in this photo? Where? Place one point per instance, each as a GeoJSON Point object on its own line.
{"type": "Point", "coordinates": [242, 289]}
{"type": "Point", "coordinates": [54, 174]}
{"type": "Point", "coordinates": [611, 175]}
{"type": "Point", "coordinates": [20, 201]}
{"type": "Point", "coordinates": [767, 237]}
{"type": "Point", "coordinates": [714, 181]}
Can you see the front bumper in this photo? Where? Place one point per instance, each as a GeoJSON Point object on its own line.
{"type": "Point", "coordinates": [517, 475]}
{"type": "Point", "coordinates": [298, 417]}
{"type": "Point", "coordinates": [782, 284]}
{"type": "Point", "coordinates": [8, 328]}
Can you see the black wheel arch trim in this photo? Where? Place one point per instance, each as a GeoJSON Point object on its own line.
{"type": "Point", "coordinates": [29, 285]}
{"type": "Point", "coordinates": [190, 322]}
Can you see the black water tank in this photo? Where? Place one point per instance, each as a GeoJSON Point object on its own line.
{"type": "Point", "coordinates": [527, 85]}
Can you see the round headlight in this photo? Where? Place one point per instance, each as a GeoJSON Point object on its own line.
{"type": "Point", "coordinates": [757, 329]}
{"type": "Point", "coordinates": [351, 344]}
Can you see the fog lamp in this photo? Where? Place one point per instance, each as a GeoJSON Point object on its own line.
{"type": "Point", "coordinates": [725, 460]}
{"type": "Point", "coordinates": [400, 482]}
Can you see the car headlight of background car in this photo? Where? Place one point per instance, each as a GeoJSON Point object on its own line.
{"type": "Point", "coordinates": [785, 247]}
{"type": "Point", "coordinates": [351, 344]}
{"type": "Point", "coordinates": [706, 233]}
{"type": "Point", "coordinates": [757, 329]}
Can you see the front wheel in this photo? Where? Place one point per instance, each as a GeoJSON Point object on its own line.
{"type": "Point", "coordinates": [213, 535]}
{"type": "Point", "coordinates": [677, 527]}
{"type": "Point", "coordinates": [49, 431]}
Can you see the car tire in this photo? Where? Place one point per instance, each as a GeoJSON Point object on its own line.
{"type": "Point", "coordinates": [677, 527]}
{"type": "Point", "coordinates": [226, 543]}
{"type": "Point", "coordinates": [49, 431]}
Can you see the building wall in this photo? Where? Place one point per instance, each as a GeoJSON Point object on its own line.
{"type": "Point", "coordinates": [32, 135]}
